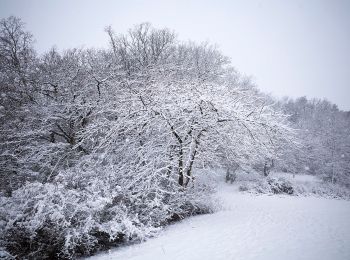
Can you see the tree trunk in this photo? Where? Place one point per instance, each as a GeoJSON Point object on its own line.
{"type": "Point", "coordinates": [180, 168]}
{"type": "Point", "coordinates": [192, 158]}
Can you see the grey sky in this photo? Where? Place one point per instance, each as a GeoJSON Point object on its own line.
{"type": "Point", "coordinates": [292, 48]}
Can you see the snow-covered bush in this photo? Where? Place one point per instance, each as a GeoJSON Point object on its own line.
{"type": "Point", "coordinates": [280, 186]}
{"type": "Point", "coordinates": [299, 185]}
{"type": "Point", "coordinates": [67, 218]}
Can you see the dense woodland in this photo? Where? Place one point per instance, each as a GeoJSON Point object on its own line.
{"type": "Point", "coordinates": [102, 146]}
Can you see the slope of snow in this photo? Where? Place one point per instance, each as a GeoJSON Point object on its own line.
{"type": "Point", "coordinates": [253, 227]}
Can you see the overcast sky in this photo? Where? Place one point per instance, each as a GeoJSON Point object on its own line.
{"type": "Point", "coordinates": [293, 48]}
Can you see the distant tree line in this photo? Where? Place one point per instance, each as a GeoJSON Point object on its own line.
{"type": "Point", "coordinates": [324, 137]}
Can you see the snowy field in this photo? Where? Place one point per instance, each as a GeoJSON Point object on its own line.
{"type": "Point", "coordinates": [253, 227]}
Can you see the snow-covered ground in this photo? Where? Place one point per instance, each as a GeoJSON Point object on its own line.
{"type": "Point", "coordinates": [253, 227]}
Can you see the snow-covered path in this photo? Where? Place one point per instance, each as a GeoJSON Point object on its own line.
{"type": "Point", "coordinates": [253, 227]}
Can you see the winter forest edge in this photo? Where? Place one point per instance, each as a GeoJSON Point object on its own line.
{"type": "Point", "coordinates": [103, 146]}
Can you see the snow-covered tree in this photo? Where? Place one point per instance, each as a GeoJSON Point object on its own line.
{"type": "Point", "coordinates": [109, 141]}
